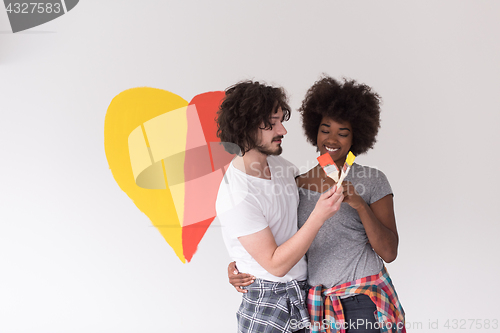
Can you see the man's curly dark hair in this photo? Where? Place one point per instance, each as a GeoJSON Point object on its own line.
{"type": "Point", "coordinates": [342, 101]}
{"type": "Point", "coordinates": [246, 106]}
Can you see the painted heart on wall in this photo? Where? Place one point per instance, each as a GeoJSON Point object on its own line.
{"type": "Point", "coordinates": [164, 153]}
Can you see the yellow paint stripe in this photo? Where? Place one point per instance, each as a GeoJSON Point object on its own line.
{"type": "Point", "coordinates": [149, 147]}
{"type": "Point", "coordinates": [164, 173]}
{"type": "Point", "coordinates": [145, 136]}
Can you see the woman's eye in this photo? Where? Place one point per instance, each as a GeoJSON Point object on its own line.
{"type": "Point", "coordinates": [344, 135]}
{"type": "Point", "coordinates": [324, 132]}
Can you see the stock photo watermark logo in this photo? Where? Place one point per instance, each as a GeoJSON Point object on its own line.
{"type": "Point", "coordinates": [25, 15]}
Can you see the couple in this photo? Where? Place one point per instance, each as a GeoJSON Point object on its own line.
{"type": "Point", "coordinates": [271, 216]}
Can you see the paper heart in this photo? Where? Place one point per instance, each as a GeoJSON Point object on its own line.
{"type": "Point", "coordinates": [164, 153]}
{"type": "Point", "coordinates": [28, 14]}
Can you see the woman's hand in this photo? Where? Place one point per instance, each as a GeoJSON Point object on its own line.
{"type": "Point", "coordinates": [351, 196]}
{"type": "Point", "coordinates": [238, 279]}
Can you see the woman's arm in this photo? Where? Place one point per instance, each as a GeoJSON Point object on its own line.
{"type": "Point", "coordinates": [378, 220]}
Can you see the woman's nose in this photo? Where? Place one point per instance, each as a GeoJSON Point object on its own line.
{"type": "Point", "coordinates": [333, 138]}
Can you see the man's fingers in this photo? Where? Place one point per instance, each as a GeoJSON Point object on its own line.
{"type": "Point", "coordinates": [338, 202]}
{"type": "Point", "coordinates": [338, 192]}
{"type": "Point", "coordinates": [333, 194]}
{"type": "Point", "coordinates": [331, 191]}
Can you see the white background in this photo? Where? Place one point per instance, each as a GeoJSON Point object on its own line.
{"type": "Point", "coordinates": [76, 255]}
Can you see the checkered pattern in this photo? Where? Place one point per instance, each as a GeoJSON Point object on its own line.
{"type": "Point", "coordinates": [324, 304]}
{"type": "Point", "coordinates": [273, 307]}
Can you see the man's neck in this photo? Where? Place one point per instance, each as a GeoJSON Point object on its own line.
{"type": "Point", "coordinates": [253, 163]}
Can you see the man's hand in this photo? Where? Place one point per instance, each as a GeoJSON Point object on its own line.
{"type": "Point", "coordinates": [238, 279]}
{"type": "Point", "coordinates": [328, 203]}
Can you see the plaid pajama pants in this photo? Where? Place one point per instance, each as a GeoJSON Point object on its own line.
{"type": "Point", "coordinates": [273, 307]}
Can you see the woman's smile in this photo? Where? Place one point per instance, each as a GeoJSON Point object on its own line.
{"type": "Point", "coordinates": [335, 138]}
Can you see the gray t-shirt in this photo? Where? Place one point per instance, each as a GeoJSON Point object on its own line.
{"type": "Point", "coordinates": [340, 252]}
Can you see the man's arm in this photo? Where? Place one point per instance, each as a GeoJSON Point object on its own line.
{"type": "Point", "coordinates": [278, 260]}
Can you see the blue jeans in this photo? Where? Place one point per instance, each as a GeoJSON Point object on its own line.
{"type": "Point", "coordinates": [360, 314]}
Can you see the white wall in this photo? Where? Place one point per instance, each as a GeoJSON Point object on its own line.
{"type": "Point", "coordinates": [78, 256]}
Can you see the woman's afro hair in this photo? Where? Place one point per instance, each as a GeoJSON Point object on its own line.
{"type": "Point", "coordinates": [342, 101]}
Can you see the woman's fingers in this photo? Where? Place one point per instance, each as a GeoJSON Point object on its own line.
{"type": "Point", "coordinates": [241, 280]}
{"type": "Point", "coordinates": [240, 290]}
{"type": "Point", "coordinates": [237, 279]}
{"type": "Point", "coordinates": [231, 268]}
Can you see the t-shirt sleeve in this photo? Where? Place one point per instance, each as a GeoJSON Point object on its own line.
{"type": "Point", "coordinates": [244, 218]}
{"type": "Point", "coordinates": [380, 187]}
{"type": "Point", "coordinates": [288, 168]}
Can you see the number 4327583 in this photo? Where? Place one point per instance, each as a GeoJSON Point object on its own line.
{"type": "Point", "coordinates": [34, 7]}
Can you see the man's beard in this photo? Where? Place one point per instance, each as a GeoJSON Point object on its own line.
{"type": "Point", "coordinates": [267, 151]}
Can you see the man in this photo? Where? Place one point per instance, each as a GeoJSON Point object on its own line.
{"type": "Point", "coordinates": [257, 207]}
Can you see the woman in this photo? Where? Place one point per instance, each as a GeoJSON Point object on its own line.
{"type": "Point", "coordinates": [345, 261]}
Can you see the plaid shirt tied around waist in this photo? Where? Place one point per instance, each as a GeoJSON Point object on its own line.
{"type": "Point", "coordinates": [273, 307]}
{"type": "Point", "coordinates": [326, 311]}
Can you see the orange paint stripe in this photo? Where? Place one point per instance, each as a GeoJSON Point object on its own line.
{"type": "Point", "coordinates": [210, 154]}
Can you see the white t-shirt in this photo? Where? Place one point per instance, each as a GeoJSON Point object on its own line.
{"type": "Point", "coordinates": [247, 204]}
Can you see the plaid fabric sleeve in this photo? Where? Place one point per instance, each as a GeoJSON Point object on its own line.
{"type": "Point", "coordinates": [326, 310]}
{"type": "Point", "coordinates": [315, 306]}
{"type": "Point", "coordinates": [273, 307]}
